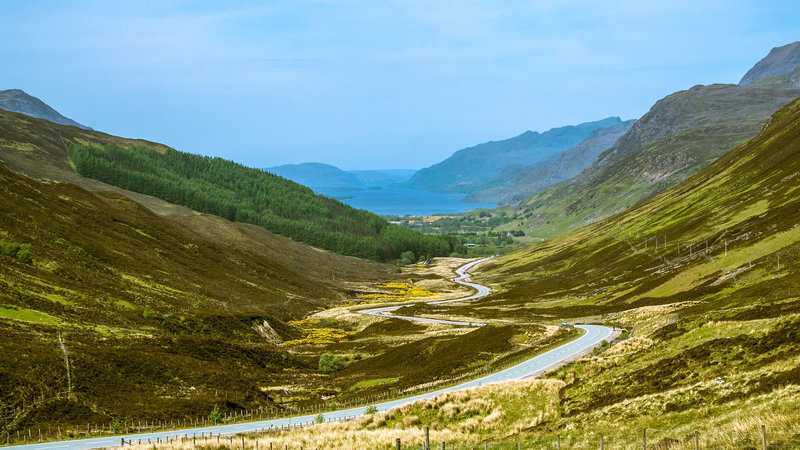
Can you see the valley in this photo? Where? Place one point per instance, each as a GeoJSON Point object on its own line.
{"type": "Point", "coordinates": [608, 284]}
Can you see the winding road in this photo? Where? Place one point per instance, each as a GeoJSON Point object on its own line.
{"type": "Point", "coordinates": [593, 336]}
{"type": "Point", "coordinates": [483, 291]}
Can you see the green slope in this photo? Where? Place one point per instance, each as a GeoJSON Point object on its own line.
{"type": "Point", "coordinates": [158, 319]}
{"type": "Point", "coordinates": [707, 272]}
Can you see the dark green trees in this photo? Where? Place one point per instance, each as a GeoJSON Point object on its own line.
{"type": "Point", "coordinates": [242, 194]}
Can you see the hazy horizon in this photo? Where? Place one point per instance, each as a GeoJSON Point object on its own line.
{"type": "Point", "coordinates": [365, 85]}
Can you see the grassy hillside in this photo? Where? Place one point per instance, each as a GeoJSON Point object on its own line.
{"type": "Point", "coordinates": [679, 136]}
{"type": "Point", "coordinates": [158, 321]}
{"type": "Point", "coordinates": [157, 175]}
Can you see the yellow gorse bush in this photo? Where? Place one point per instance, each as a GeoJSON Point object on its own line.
{"type": "Point", "coordinates": [322, 336]}
{"type": "Point", "coordinates": [398, 292]}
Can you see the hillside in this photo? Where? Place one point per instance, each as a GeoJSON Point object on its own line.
{"type": "Point", "coordinates": [495, 163]}
{"type": "Point", "coordinates": [568, 164]}
{"type": "Point", "coordinates": [316, 175]}
{"type": "Point", "coordinates": [158, 319]}
{"type": "Point", "coordinates": [681, 134]}
{"type": "Point", "coordinates": [383, 177]}
{"type": "Point", "coordinates": [780, 60]}
{"type": "Point", "coordinates": [15, 100]}
{"type": "Point", "coordinates": [40, 149]}
{"type": "Point", "coordinates": [703, 278]}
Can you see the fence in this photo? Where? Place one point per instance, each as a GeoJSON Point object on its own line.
{"type": "Point", "coordinates": [123, 426]}
{"type": "Point", "coordinates": [764, 437]}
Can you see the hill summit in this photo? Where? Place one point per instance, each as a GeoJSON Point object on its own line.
{"type": "Point", "coordinates": [780, 60]}
{"type": "Point", "coordinates": [16, 100]}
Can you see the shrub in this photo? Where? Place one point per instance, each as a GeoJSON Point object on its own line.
{"type": "Point", "coordinates": [21, 252]}
{"type": "Point", "coordinates": [319, 418]}
{"type": "Point", "coordinates": [329, 363]}
{"type": "Point", "coordinates": [24, 253]}
{"type": "Point", "coordinates": [408, 258]}
{"type": "Point", "coordinates": [371, 409]}
{"type": "Point", "coordinates": [149, 314]}
{"type": "Point", "coordinates": [215, 416]}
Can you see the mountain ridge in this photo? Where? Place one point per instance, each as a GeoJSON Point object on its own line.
{"type": "Point", "coordinates": [466, 169]}
{"type": "Point", "coordinates": [780, 60]}
{"type": "Point", "coordinates": [680, 134]}
{"type": "Point", "coordinates": [567, 164]}
{"type": "Point", "coordinates": [16, 100]}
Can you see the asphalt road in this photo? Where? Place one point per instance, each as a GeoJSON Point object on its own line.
{"type": "Point", "coordinates": [482, 291]}
{"type": "Point", "coordinates": [593, 335]}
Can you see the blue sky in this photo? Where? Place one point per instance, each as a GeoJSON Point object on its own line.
{"type": "Point", "coordinates": [371, 84]}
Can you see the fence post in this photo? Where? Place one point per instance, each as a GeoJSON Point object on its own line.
{"type": "Point", "coordinates": [121, 442]}
{"type": "Point", "coordinates": [397, 443]}
{"type": "Point", "coordinates": [602, 442]}
{"type": "Point", "coordinates": [427, 439]}
{"type": "Point", "coordinates": [644, 438]}
{"type": "Point", "coordinates": [696, 440]}
{"type": "Point", "coordinates": [764, 437]}
{"type": "Point", "coordinates": [558, 441]}
{"type": "Point", "coordinates": [443, 446]}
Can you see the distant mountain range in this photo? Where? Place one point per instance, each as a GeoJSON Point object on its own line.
{"type": "Point", "coordinates": [567, 164]}
{"type": "Point", "coordinates": [16, 100]}
{"type": "Point", "coordinates": [680, 135]}
{"type": "Point", "coordinates": [497, 163]}
{"type": "Point", "coordinates": [319, 175]}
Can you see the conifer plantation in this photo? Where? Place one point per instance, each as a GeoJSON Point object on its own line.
{"type": "Point", "coordinates": [241, 194]}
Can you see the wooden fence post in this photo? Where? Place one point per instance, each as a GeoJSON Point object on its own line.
{"type": "Point", "coordinates": [764, 437]}
{"type": "Point", "coordinates": [644, 438]}
{"type": "Point", "coordinates": [602, 443]}
{"type": "Point", "coordinates": [427, 439]}
{"type": "Point", "coordinates": [696, 440]}
{"type": "Point", "coordinates": [397, 443]}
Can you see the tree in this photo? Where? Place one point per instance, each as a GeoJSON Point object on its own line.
{"type": "Point", "coordinates": [329, 363]}
{"type": "Point", "coordinates": [215, 416]}
{"type": "Point", "coordinates": [408, 258]}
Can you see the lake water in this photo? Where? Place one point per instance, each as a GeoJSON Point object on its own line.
{"type": "Point", "coordinates": [392, 201]}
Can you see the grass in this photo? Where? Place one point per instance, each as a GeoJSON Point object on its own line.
{"type": "Point", "coordinates": [372, 383]}
{"type": "Point", "coordinates": [28, 315]}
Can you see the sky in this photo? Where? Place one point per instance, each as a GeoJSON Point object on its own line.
{"type": "Point", "coordinates": [371, 84]}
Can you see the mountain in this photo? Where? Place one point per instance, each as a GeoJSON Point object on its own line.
{"type": "Point", "coordinates": [314, 174]}
{"type": "Point", "coordinates": [680, 135]}
{"type": "Point", "coordinates": [491, 164]}
{"type": "Point", "coordinates": [780, 60]}
{"type": "Point", "coordinates": [320, 175]}
{"type": "Point", "coordinates": [383, 178]}
{"type": "Point", "coordinates": [569, 163]}
{"type": "Point", "coordinates": [16, 100]}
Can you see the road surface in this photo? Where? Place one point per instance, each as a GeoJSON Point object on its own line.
{"type": "Point", "coordinates": [483, 291]}
{"type": "Point", "coordinates": [593, 335]}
